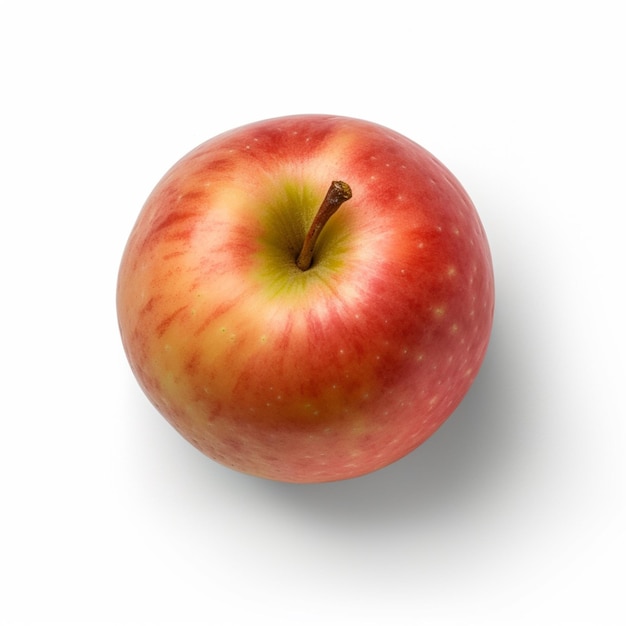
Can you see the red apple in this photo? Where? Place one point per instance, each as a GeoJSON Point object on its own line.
{"type": "Point", "coordinates": [300, 368]}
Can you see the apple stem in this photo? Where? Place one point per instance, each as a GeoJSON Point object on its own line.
{"type": "Point", "coordinates": [337, 194]}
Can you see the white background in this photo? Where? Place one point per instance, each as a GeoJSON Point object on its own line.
{"type": "Point", "coordinates": [513, 513]}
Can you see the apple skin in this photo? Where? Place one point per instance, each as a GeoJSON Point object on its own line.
{"type": "Point", "coordinates": [310, 376]}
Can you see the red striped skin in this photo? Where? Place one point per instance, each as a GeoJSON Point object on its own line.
{"type": "Point", "coordinates": [315, 376]}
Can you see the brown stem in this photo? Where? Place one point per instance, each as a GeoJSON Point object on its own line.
{"type": "Point", "coordinates": [337, 194]}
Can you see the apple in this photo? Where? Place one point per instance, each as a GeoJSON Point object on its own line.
{"type": "Point", "coordinates": [306, 298]}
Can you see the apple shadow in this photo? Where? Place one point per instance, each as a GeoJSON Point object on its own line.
{"type": "Point", "coordinates": [466, 461]}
